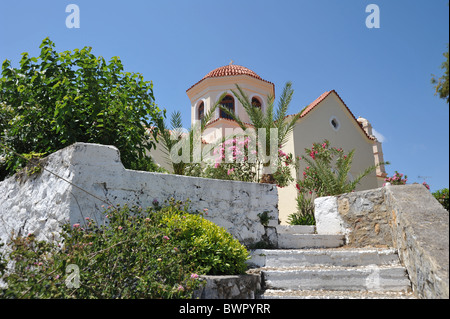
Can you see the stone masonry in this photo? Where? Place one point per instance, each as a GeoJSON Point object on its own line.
{"type": "Point", "coordinates": [405, 217]}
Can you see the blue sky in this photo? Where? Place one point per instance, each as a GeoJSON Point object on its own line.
{"type": "Point", "coordinates": [382, 74]}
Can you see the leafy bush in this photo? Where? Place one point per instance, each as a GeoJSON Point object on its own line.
{"type": "Point", "coordinates": [208, 246]}
{"type": "Point", "coordinates": [158, 252]}
{"type": "Point", "coordinates": [442, 196]}
{"type": "Point", "coordinates": [305, 211]}
{"type": "Point", "coordinates": [56, 99]}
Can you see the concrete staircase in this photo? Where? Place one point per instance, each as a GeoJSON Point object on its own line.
{"type": "Point", "coordinates": [312, 266]}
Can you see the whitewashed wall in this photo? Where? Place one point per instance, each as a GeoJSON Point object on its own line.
{"type": "Point", "coordinates": [41, 204]}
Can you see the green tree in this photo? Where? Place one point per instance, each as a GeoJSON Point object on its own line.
{"type": "Point", "coordinates": [441, 84]}
{"type": "Point", "coordinates": [269, 119]}
{"type": "Point", "coordinates": [56, 99]}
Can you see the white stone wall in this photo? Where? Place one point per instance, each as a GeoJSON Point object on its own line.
{"type": "Point", "coordinates": [40, 204]}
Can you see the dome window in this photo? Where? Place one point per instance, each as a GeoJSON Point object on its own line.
{"type": "Point", "coordinates": [227, 102]}
{"type": "Point", "coordinates": [256, 102]}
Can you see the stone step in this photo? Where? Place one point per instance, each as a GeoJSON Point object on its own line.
{"type": "Point", "coordinates": [296, 229]}
{"type": "Point", "coordinates": [366, 278]}
{"type": "Point", "coordinates": [309, 241]}
{"type": "Point", "coordinates": [334, 294]}
{"type": "Point", "coordinates": [328, 257]}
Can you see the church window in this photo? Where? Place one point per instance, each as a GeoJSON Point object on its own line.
{"type": "Point", "coordinates": [201, 111]}
{"type": "Point", "coordinates": [334, 122]}
{"type": "Point", "coordinates": [227, 102]}
{"type": "Point", "coordinates": [256, 102]}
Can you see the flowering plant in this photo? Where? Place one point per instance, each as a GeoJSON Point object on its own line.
{"type": "Point", "coordinates": [231, 162]}
{"type": "Point", "coordinates": [236, 160]}
{"type": "Point", "coordinates": [326, 173]}
{"type": "Point", "coordinates": [397, 179]}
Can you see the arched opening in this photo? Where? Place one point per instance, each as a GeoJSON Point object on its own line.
{"type": "Point", "coordinates": [201, 111]}
{"type": "Point", "coordinates": [256, 102]}
{"type": "Point", "coordinates": [227, 102]}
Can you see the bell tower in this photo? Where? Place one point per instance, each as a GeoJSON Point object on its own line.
{"type": "Point", "coordinates": [206, 92]}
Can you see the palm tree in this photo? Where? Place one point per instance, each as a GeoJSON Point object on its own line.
{"type": "Point", "coordinates": [177, 135]}
{"type": "Point", "coordinates": [269, 119]}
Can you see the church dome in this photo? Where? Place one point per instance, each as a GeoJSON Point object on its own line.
{"type": "Point", "coordinates": [231, 70]}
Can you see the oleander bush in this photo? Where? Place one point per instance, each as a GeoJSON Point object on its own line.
{"type": "Point", "coordinates": [158, 252]}
{"type": "Point", "coordinates": [326, 173]}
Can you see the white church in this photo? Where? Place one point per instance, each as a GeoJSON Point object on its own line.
{"type": "Point", "coordinates": [328, 117]}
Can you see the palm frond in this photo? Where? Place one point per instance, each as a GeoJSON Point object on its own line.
{"type": "Point", "coordinates": [283, 104]}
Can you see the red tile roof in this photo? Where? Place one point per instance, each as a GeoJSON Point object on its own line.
{"type": "Point", "coordinates": [230, 70]}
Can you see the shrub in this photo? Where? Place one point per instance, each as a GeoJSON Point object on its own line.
{"type": "Point", "coordinates": [326, 174]}
{"type": "Point", "coordinates": [208, 246]}
{"type": "Point", "coordinates": [442, 196]}
{"type": "Point", "coordinates": [59, 98]}
{"type": "Point", "coordinates": [158, 252]}
{"type": "Point", "coordinates": [305, 211]}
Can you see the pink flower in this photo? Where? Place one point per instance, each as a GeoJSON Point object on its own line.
{"type": "Point", "coordinates": [165, 238]}
{"type": "Point", "coordinates": [76, 225]}
{"type": "Point", "coordinates": [216, 165]}
{"type": "Point", "coordinates": [119, 228]}
{"type": "Point", "coordinates": [230, 171]}
{"type": "Point", "coordinates": [180, 288]}
{"type": "Point", "coordinates": [194, 276]}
